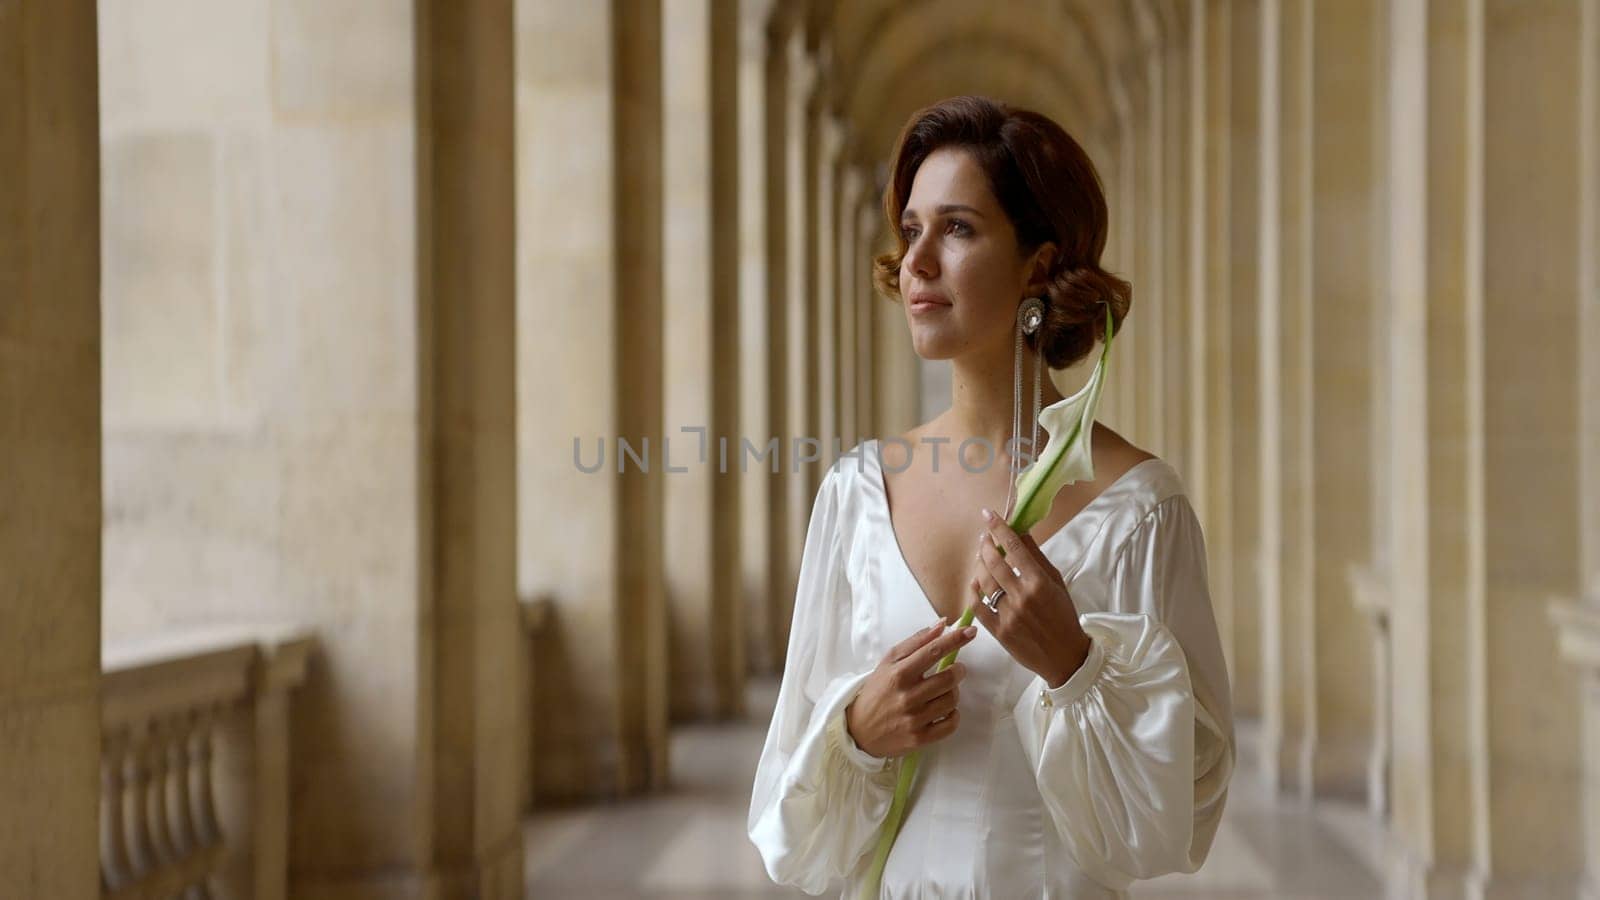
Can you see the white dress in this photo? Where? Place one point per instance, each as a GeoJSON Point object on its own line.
{"type": "Point", "coordinates": [1119, 774]}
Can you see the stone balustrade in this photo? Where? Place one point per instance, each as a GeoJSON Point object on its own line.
{"type": "Point", "coordinates": [194, 763]}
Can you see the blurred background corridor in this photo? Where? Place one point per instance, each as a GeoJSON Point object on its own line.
{"type": "Point", "coordinates": [410, 415]}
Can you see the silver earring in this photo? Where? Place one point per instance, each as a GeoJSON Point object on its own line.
{"type": "Point", "coordinates": [1030, 315]}
{"type": "Point", "coordinates": [1030, 318]}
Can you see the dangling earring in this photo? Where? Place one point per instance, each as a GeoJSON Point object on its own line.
{"type": "Point", "coordinates": [1030, 318]}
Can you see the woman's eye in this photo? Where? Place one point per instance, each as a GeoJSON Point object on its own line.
{"type": "Point", "coordinates": [955, 226]}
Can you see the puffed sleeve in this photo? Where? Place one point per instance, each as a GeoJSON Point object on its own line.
{"type": "Point", "coordinates": [818, 798]}
{"type": "Point", "coordinates": [1133, 753]}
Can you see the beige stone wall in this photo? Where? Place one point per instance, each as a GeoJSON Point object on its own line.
{"type": "Point", "coordinates": [281, 406]}
{"type": "Point", "coordinates": [261, 375]}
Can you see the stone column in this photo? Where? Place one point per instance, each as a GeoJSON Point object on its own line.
{"type": "Point", "coordinates": [756, 406]}
{"type": "Point", "coordinates": [50, 450]}
{"type": "Point", "coordinates": [470, 741]}
{"type": "Point", "coordinates": [1195, 384]}
{"type": "Point", "coordinates": [1179, 369]}
{"type": "Point", "coordinates": [1435, 581]}
{"type": "Point", "coordinates": [823, 261]}
{"type": "Point", "coordinates": [1577, 619]}
{"type": "Point", "coordinates": [265, 372]}
{"type": "Point", "coordinates": [1527, 341]}
{"type": "Point", "coordinates": [1162, 292]}
{"type": "Point", "coordinates": [636, 233]}
{"type": "Point", "coordinates": [848, 296]}
{"type": "Point", "coordinates": [1344, 284]}
{"type": "Point", "coordinates": [869, 309]}
{"type": "Point", "coordinates": [1212, 344]}
{"type": "Point", "coordinates": [802, 403]}
{"type": "Point", "coordinates": [586, 74]}
{"type": "Point", "coordinates": [728, 537]}
{"type": "Point", "coordinates": [1244, 236]}
{"type": "Point", "coordinates": [702, 541]}
{"type": "Point", "coordinates": [1140, 396]}
{"type": "Point", "coordinates": [781, 561]}
{"type": "Point", "coordinates": [1116, 408]}
{"type": "Point", "coordinates": [1284, 341]}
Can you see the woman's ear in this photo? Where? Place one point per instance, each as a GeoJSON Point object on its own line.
{"type": "Point", "coordinates": [1038, 268]}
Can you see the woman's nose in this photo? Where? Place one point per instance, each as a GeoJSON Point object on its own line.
{"type": "Point", "coordinates": [921, 260]}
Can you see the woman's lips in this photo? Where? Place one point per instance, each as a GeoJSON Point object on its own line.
{"type": "Point", "coordinates": [923, 303]}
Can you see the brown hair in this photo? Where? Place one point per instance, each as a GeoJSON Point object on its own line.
{"type": "Point", "coordinates": [1049, 190]}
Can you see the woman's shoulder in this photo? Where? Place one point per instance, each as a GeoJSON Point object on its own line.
{"type": "Point", "coordinates": [1133, 487]}
{"type": "Point", "coordinates": [853, 472]}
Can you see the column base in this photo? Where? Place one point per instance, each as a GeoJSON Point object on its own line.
{"type": "Point", "coordinates": [1287, 765]}
{"type": "Point", "coordinates": [1341, 769]}
{"type": "Point", "coordinates": [1409, 877]}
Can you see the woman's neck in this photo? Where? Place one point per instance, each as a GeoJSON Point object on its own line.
{"type": "Point", "coordinates": [981, 397]}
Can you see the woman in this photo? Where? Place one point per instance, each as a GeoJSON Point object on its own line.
{"type": "Point", "coordinates": [1085, 738]}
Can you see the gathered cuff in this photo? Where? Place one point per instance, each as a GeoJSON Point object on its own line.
{"type": "Point", "coordinates": [1075, 687]}
{"type": "Point", "coordinates": [840, 741]}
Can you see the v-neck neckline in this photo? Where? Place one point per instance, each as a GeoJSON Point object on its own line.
{"type": "Point", "coordinates": [899, 551]}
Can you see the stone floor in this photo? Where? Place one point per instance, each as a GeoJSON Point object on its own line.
{"type": "Point", "coordinates": [690, 844]}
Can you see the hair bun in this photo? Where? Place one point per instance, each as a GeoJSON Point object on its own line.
{"type": "Point", "coordinates": [1074, 315]}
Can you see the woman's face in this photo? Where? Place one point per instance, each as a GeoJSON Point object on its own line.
{"type": "Point", "coordinates": [962, 277]}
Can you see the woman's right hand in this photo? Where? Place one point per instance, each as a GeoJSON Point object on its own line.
{"type": "Point", "coordinates": [899, 710]}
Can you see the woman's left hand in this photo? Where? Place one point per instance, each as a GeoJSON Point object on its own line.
{"type": "Point", "coordinates": [1037, 622]}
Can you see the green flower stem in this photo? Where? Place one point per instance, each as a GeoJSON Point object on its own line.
{"type": "Point", "coordinates": [1066, 459]}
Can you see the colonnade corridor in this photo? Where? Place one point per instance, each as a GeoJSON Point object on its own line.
{"type": "Point", "coordinates": [412, 412]}
{"type": "Point", "coordinates": [689, 843]}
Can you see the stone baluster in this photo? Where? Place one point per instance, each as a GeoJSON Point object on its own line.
{"type": "Point", "coordinates": [115, 868]}
{"type": "Point", "coordinates": [136, 777]}
{"type": "Point", "coordinates": [180, 820]}
{"type": "Point", "coordinates": [157, 825]}
{"type": "Point", "coordinates": [202, 793]}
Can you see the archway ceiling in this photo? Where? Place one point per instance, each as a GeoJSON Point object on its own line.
{"type": "Point", "coordinates": [1066, 58]}
{"type": "Point", "coordinates": [965, 65]}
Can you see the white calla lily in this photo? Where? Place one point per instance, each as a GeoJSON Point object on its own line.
{"type": "Point", "coordinates": [1066, 457]}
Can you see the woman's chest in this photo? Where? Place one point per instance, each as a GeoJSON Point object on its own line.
{"type": "Point", "coordinates": [939, 546]}
{"type": "Point", "coordinates": [889, 605]}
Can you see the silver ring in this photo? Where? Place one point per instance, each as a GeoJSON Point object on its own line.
{"type": "Point", "coordinates": [992, 600]}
